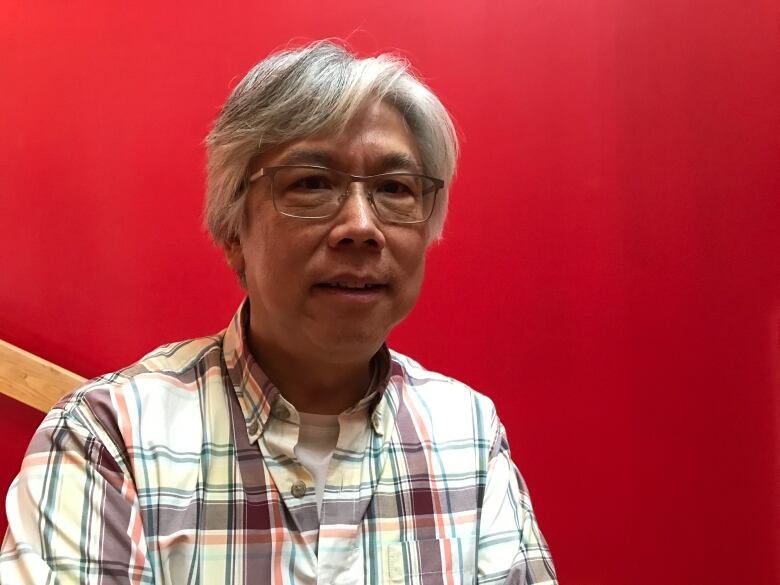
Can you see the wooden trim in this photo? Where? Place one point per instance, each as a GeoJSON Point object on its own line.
{"type": "Point", "coordinates": [32, 380]}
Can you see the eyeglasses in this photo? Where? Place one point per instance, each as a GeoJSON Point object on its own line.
{"type": "Point", "coordinates": [311, 192]}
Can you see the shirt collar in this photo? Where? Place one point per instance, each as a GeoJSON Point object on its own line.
{"type": "Point", "coordinates": [257, 394]}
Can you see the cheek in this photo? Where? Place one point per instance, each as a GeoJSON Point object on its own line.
{"type": "Point", "coordinates": [414, 273]}
{"type": "Point", "coordinates": [265, 251]}
{"type": "Point", "coordinates": [419, 277]}
{"type": "Point", "coordinates": [271, 265]}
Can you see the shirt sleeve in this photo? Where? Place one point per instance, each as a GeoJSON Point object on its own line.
{"type": "Point", "coordinates": [73, 514]}
{"type": "Point", "coordinates": [511, 548]}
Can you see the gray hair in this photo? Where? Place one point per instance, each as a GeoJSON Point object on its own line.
{"type": "Point", "coordinates": [294, 94]}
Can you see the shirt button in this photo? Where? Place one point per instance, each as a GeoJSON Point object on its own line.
{"type": "Point", "coordinates": [298, 489]}
{"type": "Point", "coordinates": [253, 426]}
{"type": "Point", "coordinates": [280, 411]}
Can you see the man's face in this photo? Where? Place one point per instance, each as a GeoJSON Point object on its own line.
{"type": "Point", "coordinates": [292, 264]}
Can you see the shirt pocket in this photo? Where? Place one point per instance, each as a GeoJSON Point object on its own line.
{"type": "Point", "coordinates": [447, 561]}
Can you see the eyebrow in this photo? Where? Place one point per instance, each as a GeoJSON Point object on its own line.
{"type": "Point", "coordinates": [394, 161]}
{"type": "Point", "coordinates": [399, 161]}
{"type": "Point", "coordinates": [300, 156]}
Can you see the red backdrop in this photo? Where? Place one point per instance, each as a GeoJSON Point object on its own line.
{"type": "Point", "coordinates": [609, 273]}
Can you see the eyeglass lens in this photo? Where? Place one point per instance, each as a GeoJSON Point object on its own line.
{"type": "Point", "coordinates": [308, 192]}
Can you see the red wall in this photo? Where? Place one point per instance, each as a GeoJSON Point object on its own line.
{"type": "Point", "coordinates": [609, 275]}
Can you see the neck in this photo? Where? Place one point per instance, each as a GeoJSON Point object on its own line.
{"type": "Point", "coordinates": [316, 386]}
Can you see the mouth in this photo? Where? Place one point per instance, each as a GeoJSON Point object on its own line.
{"type": "Point", "coordinates": [351, 290]}
{"type": "Point", "coordinates": [350, 286]}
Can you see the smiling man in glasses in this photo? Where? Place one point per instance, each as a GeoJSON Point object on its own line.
{"type": "Point", "coordinates": [294, 447]}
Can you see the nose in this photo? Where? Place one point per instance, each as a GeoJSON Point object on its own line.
{"type": "Point", "coordinates": [356, 224]}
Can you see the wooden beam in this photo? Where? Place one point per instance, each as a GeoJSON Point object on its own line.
{"type": "Point", "coordinates": [32, 380]}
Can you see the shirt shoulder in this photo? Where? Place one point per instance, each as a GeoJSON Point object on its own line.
{"type": "Point", "coordinates": [442, 401]}
{"type": "Point", "coordinates": [159, 392]}
{"type": "Point", "coordinates": [180, 364]}
{"type": "Point", "coordinates": [434, 384]}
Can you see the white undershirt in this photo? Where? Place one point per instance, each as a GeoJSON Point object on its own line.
{"type": "Point", "coordinates": [317, 438]}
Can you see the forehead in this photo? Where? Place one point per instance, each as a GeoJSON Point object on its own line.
{"type": "Point", "coordinates": [377, 139]}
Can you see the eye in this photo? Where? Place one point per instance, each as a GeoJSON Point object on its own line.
{"type": "Point", "coordinates": [311, 183]}
{"type": "Point", "coordinates": [396, 187]}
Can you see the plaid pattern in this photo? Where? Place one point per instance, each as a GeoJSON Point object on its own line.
{"type": "Point", "coordinates": [180, 469]}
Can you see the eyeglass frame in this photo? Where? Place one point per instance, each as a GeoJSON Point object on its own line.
{"type": "Point", "coordinates": [271, 171]}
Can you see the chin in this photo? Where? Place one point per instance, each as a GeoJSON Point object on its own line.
{"type": "Point", "coordinates": [349, 345]}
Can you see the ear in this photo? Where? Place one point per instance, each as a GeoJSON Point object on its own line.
{"type": "Point", "coordinates": [234, 254]}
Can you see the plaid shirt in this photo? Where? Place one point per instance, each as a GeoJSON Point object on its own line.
{"type": "Point", "coordinates": [180, 469]}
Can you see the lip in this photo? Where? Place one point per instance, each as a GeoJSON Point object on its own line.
{"type": "Point", "coordinates": [351, 288]}
{"type": "Point", "coordinates": [352, 279]}
{"type": "Point", "coordinates": [350, 296]}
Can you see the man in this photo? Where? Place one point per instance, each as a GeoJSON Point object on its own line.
{"type": "Point", "coordinates": [293, 447]}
